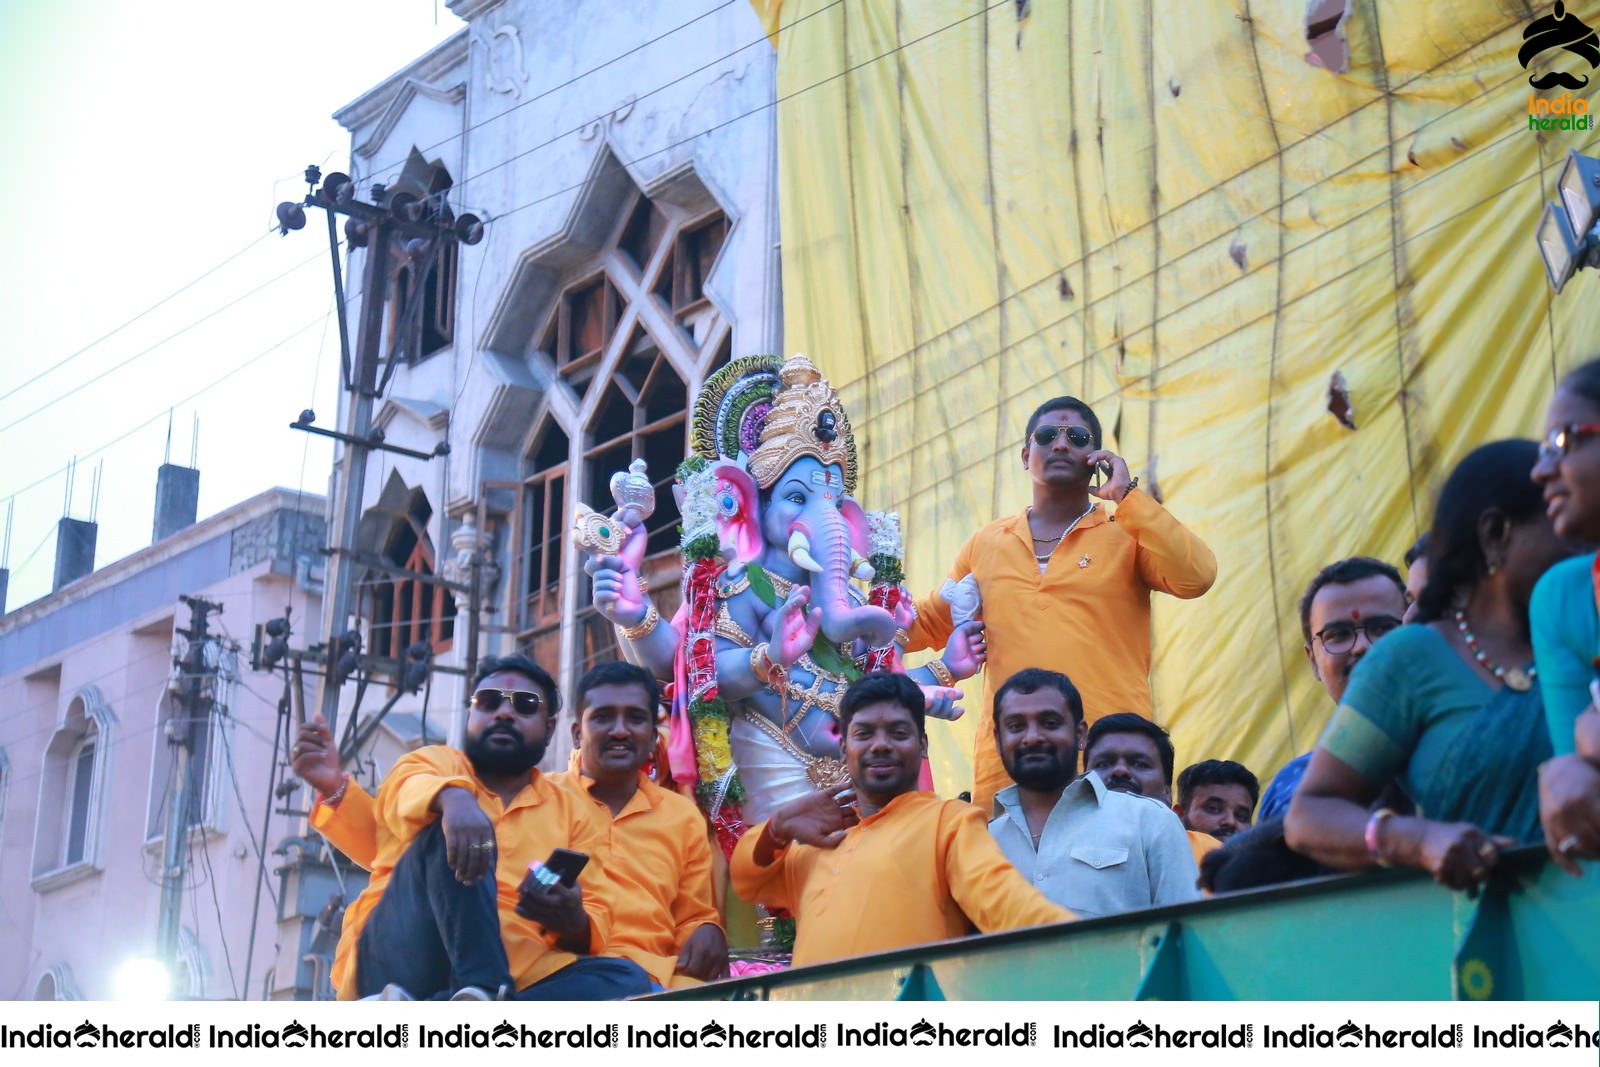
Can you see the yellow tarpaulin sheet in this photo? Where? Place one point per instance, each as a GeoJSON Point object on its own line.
{"type": "Point", "coordinates": [1164, 209]}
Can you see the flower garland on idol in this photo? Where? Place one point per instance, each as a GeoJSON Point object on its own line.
{"type": "Point", "coordinates": [720, 792]}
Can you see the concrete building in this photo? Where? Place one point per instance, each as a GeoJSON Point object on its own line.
{"type": "Point", "coordinates": [623, 158]}
{"type": "Point", "coordinates": [88, 681]}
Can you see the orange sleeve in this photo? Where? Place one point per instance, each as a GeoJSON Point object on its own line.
{"type": "Point", "coordinates": [406, 796]}
{"type": "Point", "coordinates": [1170, 557]}
{"type": "Point", "coordinates": [934, 626]}
{"type": "Point", "coordinates": [589, 837]}
{"type": "Point", "coordinates": [695, 905]}
{"type": "Point", "coordinates": [758, 884]}
{"type": "Point", "coordinates": [981, 879]}
{"type": "Point", "coordinates": [351, 826]}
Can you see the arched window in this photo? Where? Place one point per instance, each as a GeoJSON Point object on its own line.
{"type": "Point", "coordinates": [405, 608]}
{"type": "Point", "coordinates": [73, 787]}
{"type": "Point", "coordinates": [630, 334]}
{"type": "Point", "coordinates": [57, 983]}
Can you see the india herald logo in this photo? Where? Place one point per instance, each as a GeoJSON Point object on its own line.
{"type": "Point", "coordinates": [1559, 30]}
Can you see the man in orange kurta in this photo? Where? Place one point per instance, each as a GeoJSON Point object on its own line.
{"type": "Point", "coordinates": [883, 866]}
{"type": "Point", "coordinates": [657, 856]}
{"type": "Point", "coordinates": [449, 905]}
{"type": "Point", "coordinates": [665, 917]}
{"type": "Point", "coordinates": [1066, 586]}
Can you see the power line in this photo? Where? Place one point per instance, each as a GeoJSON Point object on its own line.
{"type": "Point", "coordinates": [167, 407]}
{"type": "Point", "coordinates": [107, 336]}
{"type": "Point", "coordinates": [742, 115]}
{"type": "Point", "coordinates": [171, 337]}
{"type": "Point", "coordinates": [376, 171]}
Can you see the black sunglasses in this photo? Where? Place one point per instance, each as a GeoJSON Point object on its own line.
{"type": "Point", "coordinates": [1077, 436]}
{"type": "Point", "coordinates": [523, 702]}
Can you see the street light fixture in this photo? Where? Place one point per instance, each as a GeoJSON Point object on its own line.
{"type": "Point", "coordinates": [1568, 236]}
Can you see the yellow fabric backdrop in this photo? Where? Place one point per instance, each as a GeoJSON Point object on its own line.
{"type": "Point", "coordinates": [1164, 209]}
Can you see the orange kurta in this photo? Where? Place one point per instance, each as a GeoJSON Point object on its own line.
{"type": "Point", "coordinates": [659, 861]}
{"type": "Point", "coordinates": [1201, 843]}
{"type": "Point", "coordinates": [1087, 615]}
{"type": "Point", "coordinates": [920, 870]}
{"type": "Point", "coordinates": [351, 826]}
{"type": "Point", "coordinates": [540, 818]}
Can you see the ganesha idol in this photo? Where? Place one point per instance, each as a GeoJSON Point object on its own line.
{"type": "Point", "coordinates": [790, 591]}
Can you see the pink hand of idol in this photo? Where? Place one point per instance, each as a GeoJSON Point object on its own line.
{"type": "Point", "coordinates": [905, 612]}
{"type": "Point", "coordinates": [617, 595]}
{"type": "Point", "coordinates": [966, 650]}
{"type": "Point", "coordinates": [794, 628]}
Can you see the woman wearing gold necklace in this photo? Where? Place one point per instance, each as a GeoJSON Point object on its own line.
{"type": "Point", "coordinates": [1448, 707]}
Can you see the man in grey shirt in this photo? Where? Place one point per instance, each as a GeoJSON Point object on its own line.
{"type": "Point", "coordinates": [1086, 847]}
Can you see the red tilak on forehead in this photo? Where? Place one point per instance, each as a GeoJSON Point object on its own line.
{"type": "Point", "coordinates": [1355, 613]}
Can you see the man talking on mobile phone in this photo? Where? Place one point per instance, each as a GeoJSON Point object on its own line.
{"type": "Point", "coordinates": [452, 910]}
{"type": "Point", "coordinates": [1065, 585]}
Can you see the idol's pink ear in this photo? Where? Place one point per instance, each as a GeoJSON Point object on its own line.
{"type": "Point", "coordinates": [738, 512]}
{"type": "Point", "coordinates": [856, 519]}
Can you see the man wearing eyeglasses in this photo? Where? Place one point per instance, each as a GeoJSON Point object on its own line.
{"type": "Point", "coordinates": [1066, 585]}
{"type": "Point", "coordinates": [452, 907]}
{"type": "Point", "coordinates": [1345, 609]}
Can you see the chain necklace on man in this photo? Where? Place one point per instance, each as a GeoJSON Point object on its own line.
{"type": "Point", "coordinates": [1073, 525]}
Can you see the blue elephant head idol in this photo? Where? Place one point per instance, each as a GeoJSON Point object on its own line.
{"type": "Point", "coordinates": [774, 625]}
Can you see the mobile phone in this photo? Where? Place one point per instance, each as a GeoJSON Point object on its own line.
{"type": "Point", "coordinates": [564, 866]}
{"type": "Point", "coordinates": [1102, 471]}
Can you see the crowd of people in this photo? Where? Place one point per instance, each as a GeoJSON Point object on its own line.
{"type": "Point", "coordinates": [1462, 721]}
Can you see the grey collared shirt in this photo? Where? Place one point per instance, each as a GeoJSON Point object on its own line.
{"type": "Point", "coordinates": [1101, 852]}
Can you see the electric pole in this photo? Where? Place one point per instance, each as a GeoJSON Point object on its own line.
{"type": "Point", "coordinates": [183, 730]}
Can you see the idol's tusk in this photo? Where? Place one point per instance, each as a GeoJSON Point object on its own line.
{"type": "Point", "coordinates": [800, 552]}
{"type": "Point", "coordinates": [863, 570]}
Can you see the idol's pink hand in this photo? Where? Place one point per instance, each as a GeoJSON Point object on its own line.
{"type": "Point", "coordinates": [794, 629]}
{"type": "Point", "coordinates": [905, 612]}
{"type": "Point", "coordinates": [966, 650]}
{"type": "Point", "coordinates": [617, 593]}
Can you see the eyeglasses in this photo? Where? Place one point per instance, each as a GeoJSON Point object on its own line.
{"type": "Point", "coordinates": [1340, 637]}
{"type": "Point", "coordinates": [1560, 441]}
{"type": "Point", "coordinates": [1077, 436]}
{"type": "Point", "coordinates": [523, 702]}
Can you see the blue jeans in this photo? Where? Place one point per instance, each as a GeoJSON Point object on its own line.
{"type": "Point", "coordinates": [431, 935]}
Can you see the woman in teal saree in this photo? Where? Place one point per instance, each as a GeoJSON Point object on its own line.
{"type": "Point", "coordinates": [1449, 708]}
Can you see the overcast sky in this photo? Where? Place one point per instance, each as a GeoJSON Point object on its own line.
{"type": "Point", "coordinates": [149, 143]}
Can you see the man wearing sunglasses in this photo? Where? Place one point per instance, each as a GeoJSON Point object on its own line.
{"type": "Point", "coordinates": [1347, 607]}
{"type": "Point", "coordinates": [1065, 585]}
{"type": "Point", "coordinates": [452, 907]}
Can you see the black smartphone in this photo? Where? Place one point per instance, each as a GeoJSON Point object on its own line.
{"type": "Point", "coordinates": [566, 865]}
{"type": "Point", "coordinates": [1102, 471]}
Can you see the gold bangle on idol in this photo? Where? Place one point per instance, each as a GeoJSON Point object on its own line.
{"type": "Point", "coordinates": [651, 620]}
{"type": "Point", "coordinates": [941, 673]}
{"type": "Point", "coordinates": [761, 662]}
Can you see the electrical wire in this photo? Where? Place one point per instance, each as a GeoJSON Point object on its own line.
{"type": "Point", "coordinates": [205, 854]}
{"type": "Point", "coordinates": [102, 375]}
{"type": "Point", "coordinates": [165, 408]}
{"type": "Point", "coordinates": [238, 796]}
{"type": "Point", "coordinates": [390, 167]}
{"type": "Point", "coordinates": [112, 333]}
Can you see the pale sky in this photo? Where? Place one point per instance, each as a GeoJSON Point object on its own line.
{"type": "Point", "coordinates": [150, 142]}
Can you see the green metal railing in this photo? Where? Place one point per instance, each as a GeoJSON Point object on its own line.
{"type": "Point", "coordinates": [1388, 935]}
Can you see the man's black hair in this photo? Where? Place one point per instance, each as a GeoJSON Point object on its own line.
{"type": "Point", "coordinates": [884, 687]}
{"type": "Point", "coordinates": [1492, 478]}
{"type": "Point", "coordinates": [1126, 722]}
{"type": "Point", "coordinates": [1033, 679]}
{"type": "Point", "coordinates": [524, 666]}
{"type": "Point", "coordinates": [1345, 572]}
{"type": "Point", "coordinates": [1064, 403]}
{"type": "Point", "coordinates": [616, 672]}
{"type": "Point", "coordinates": [1216, 772]}
{"type": "Point", "coordinates": [1418, 550]}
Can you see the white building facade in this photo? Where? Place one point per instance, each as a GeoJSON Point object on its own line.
{"type": "Point", "coordinates": [623, 158]}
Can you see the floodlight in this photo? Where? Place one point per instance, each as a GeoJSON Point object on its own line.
{"type": "Point", "coordinates": [1579, 187]}
{"type": "Point", "coordinates": [1557, 245]}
